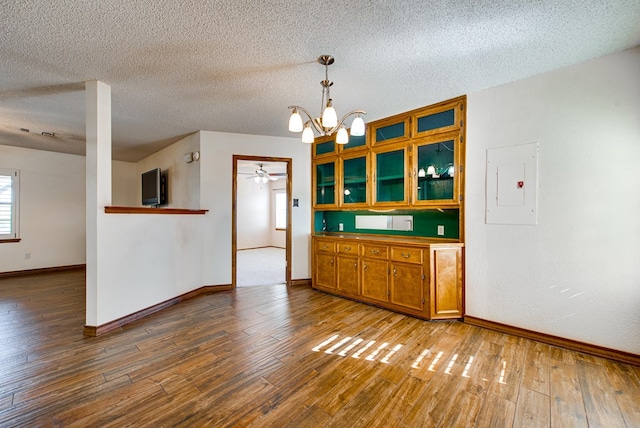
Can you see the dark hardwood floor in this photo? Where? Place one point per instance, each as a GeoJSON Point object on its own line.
{"type": "Point", "coordinates": [272, 356]}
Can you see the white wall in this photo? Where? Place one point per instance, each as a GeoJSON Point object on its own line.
{"type": "Point", "coordinates": [52, 209]}
{"type": "Point", "coordinates": [126, 184]}
{"type": "Point", "coordinates": [217, 150]}
{"type": "Point", "coordinates": [184, 178]}
{"type": "Point", "coordinates": [575, 274]}
{"type": "Point", "coordinates": [253, 214]}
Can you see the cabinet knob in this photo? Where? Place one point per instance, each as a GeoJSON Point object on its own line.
{"type": "Point", "coordinates": [347, 248]}
{"type": "Point", "coordinates": [364, 266]}
{"type": "Point", "coordinates": [325, 246]}
{"type": "Point", "coordinates": [406, 256]}
{"type": "Point", "coordinates": [331, 261]}
{"type": "Point", "coordinates": [355, 265]}
{"type": "Point", "coordinates": [394, 271]}
{"type": "Point", "coordinates": [376, 251]}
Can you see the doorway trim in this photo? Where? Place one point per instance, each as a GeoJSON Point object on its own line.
{"type": "Point", "coordinates": [234, 214]}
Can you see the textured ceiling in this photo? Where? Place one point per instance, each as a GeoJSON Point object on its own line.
{"type": "Point", "coordinates": [176, 67]}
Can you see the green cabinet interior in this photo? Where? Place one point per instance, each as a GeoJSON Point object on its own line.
{"type": "Point", "coordinates": [326, 183]}
{"type": "Point", "coordinates": [355, 141]}
{"type": "Point", "coordinates": [425, 222]}
{"type": "Point", "coordinates": [390, 176]}
{"type": "Point", "coordinates": [390, 132]}
{"type": "Point", "coordinates": [436, 171]}
{"type": "Point", "coordinates": [355, 180]}
{"type": "Point", "coordinates": [325, 148]}
{"type": "Point", "coordinates": [435, 121]}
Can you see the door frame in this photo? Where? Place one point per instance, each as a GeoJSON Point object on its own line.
{"type": "Point", "coordinates": [234, 208]}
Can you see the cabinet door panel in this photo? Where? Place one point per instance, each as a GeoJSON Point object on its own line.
{"type": "Point", "coordinates": [390, 169]}
{"type": "Point", "coordinates": [325, 270]}
{"type": "Point", "coordinates": [407, 285]}
{"type": "Point", "coordinates": [348, 275]}
{"type": "Point", "coordinates": [446, 283]}
{"type": "Point", "coordinates": [324, 181]}
{"type": "Point", "coordinates": [375, 276]}
{"type": "Point", "coordinates": [354, 181]}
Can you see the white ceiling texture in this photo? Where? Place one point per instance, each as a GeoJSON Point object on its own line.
{"type": "Point", "coordinates": [176, 67]}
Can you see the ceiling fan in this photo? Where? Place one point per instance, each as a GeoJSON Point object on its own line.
{"type": "Point", "coordinates": [261, 175]}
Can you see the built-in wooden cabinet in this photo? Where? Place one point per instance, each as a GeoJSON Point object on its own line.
{"type": "Point", "coordinates": [411, 163]}
{"type": "Point", "coordinates": [416, 277]}
{"type": "Point", "coordinates": [407, 161]}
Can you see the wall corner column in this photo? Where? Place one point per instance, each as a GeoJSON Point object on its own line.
{"type": "Point", "coordinates": [98, 186]}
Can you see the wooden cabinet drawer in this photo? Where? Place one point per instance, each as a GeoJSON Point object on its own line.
{"type": "Point", "coordinates": [348, 248]}
{"type": "Point", "coordinates": [375, 251]}
{"type": "Point", "coordinates": [406, 254]}
{"type": "Point", "coordinates": [325, 246]}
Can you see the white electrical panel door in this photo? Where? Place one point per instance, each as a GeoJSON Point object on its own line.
{"type": "Point", "coordinates": [512, 185]}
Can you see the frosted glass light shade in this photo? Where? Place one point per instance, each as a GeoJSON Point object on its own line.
{"type": "Point", "coordinates": [357, 126]}
{"type": "Point", "coordinates": [451, 171]}
{"type": "Point", "coordinates": [422, 173]}
{"type": "Point", "coordinates": [431, 170]}
{"type": "Point", "coordinates": [295, 121]}
{"type": "Point", "coordinates": [307, 135]}
{"type": "Point", "coordinates": [329, 116]}
{"type": "Point", "coordinates": [342, 137]}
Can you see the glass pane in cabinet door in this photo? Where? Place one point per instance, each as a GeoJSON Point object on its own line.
{"type": "Point", "coordinates": [324, 148]}
{"type": "Point", "coordinates": [436, 120]}
{"type": "Point", "coordinates": [436, 171]}
{"type": "Point", "coordinates": [390, 132]}
{"type": "Point", "coordinates": [325, 183]}
{"type": "Point", "coordinates": [390, 176]}
{"type": "Point", "coordinates": [355, 180]}
{"type": "Point", "coordinates": [355, 141]}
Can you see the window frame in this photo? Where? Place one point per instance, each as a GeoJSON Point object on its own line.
{"type": "Point", "coordinates": [14, 234]}
{"type": "Point", "coordinates": [280, 210]}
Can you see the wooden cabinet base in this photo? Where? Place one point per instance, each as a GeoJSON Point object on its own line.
{"type": "Point", "coordinates": [416, 277]}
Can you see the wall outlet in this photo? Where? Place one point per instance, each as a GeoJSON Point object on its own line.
{"type": "Point", "coordinates": [340, 227]}
{"type": "Point", "coordinates": [27, 256]}
{"type": "Point", "coordinates": [440, 230]}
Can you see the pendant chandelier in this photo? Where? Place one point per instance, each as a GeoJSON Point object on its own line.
{"type": "Point", "coordinates": [328, 122]}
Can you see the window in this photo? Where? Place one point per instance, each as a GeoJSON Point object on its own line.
{"type": "Point", "coordinates": [8, 204]}
{"type": "Point", "coordinates": [281, 210]}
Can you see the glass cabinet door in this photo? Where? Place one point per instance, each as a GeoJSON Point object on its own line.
{"type": "Point", "coordinates": [354, 181]}
{"type": "Point", "coordinates": [390, 182]}
{"type": "Point", "coordinates": [436, 171]}
{"type": "Point", "coordinates": [325, 183]}
{"type": "Point", "coordinates": [356, 143]}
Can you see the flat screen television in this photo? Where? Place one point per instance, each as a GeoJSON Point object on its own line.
{"type": "Point", "coordinates": [154, 187]}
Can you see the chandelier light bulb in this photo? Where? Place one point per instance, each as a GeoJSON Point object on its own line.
{"type": "Point", "coordinates": [295, 121]}
{"type": "Point", "coordinates": [329, 116]}
{"type": "Point", "coordinates": [342, 137]}
{"type": "Point", "coordinates": [357, 126]}
{"type": "Point", "coordinates": [307, 135]}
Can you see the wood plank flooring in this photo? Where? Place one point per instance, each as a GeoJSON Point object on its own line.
{"type": "Point", "coordinates": [276, 357]}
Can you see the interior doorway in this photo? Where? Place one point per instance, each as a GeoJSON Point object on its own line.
{"type": "Point", "coordinates": [261, 221]}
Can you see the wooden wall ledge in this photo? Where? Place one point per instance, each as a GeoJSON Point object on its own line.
{"type": "Point", "coordinates": [144, 210]}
